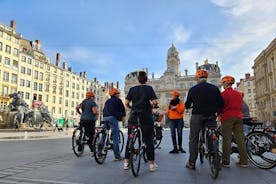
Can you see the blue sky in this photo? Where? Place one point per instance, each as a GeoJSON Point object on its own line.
{"type": "Point", "coordinates": [110, 38]}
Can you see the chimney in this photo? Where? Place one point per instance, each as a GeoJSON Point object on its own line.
{"type": "Point", "coordinates": [238, 84]}
{"type": "Point", "coordinates": [247, 76]}
{"type": "Point", "coordinates": [70, 69]}
{"type": "Point", "coordinates": [84, 74]}
{"type": "Point", "coordinates": [13, 25]}
{"type": "Point", "coordinates": [64, 65]}
{"type": "Point", "coordinates": [57, 59]}
{"type": "Point", "coordinates": [80, 74]}
{"type": "Point", "coordinates": [186, 72]}
{"type": "Point", "coordinates": [152, 75]}
{"type": "Point", "coordinates": [196, 66]}
{"type": "Point", "coordinates": [117, 84]}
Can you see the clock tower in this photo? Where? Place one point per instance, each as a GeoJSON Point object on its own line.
{"type": "Point", "coordinates": [173, 61]}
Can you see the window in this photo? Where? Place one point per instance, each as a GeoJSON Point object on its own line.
{"type": "Point", "coordinates": [22, 82]}
{"type": "Point", "coordinates": [66, 103]}
{"type": "Point", "coordinates": [23, 58]}
{"type": "Point", "coordinates": [8, 37]}
{"type": "Point", "coordinates": [16, 41]}
{"type": "Point", "coordinates": [54, 99]}
{"type": "Point", "coordinates": [15, 64]}
{"type": "Point", "coordinates": [6, 76]}
{"type": "Point", "coordinates": [28, 83]}
{"type": "Point", "coordinates": [23, 69]}
{"type": "Point", "coordinates": [40, 97]}
{"type": "Point", "coordinates": [67, 93]}
{"type": "Point", "coordinates": [0, 59]}
{"type": "Point", "coordinates": [40, 77]}
{"type": "Point", "coordinates": [60, 100]}
{"type": "Point", "coordinates": [73, 94]}
{"type": "Point", "coordinates": [67, 83]}
{"type": "Point", "coordinates": [54, 89]}
{"type": "Point", "coordinates": [41, 65]}
{"type": "Point", "coordinates": [15, 52]}
{"type": "Point", "coordinates": [29, 71]}
{"type": "Point", "coordinates": [53, 110]}
{"type": "Point", "coordinates": [1, 46]}
{"type": "Point", "coordinates": [35, 85]}
{"type": "Point", "coordinates": [40, 87]}
{"type": "Point", "coordinates": [27, 95]}
{"type": "Point", "coordinates": [59, 110]}
{"type": "Point", "coordinates": [5, 90]}
{"type": "Point", "coordinates": [14, 78]}
{"type": "Point", "coordinates": [7, 61]}
{"type": "Point", "coordinates": [8, 49]}
{"type": "Point", "coordinates": [35, 96]}
{"type": "Point", "coordinates": [35, 74]}
{"type": "Point", "coordinates": [29, 61]}
{"type": "Point", "coordinates": [249, 91]}
{"type": "Point", "coordinates": [47, 87]}
{"type": "Point", "coordinates": [47, 98]}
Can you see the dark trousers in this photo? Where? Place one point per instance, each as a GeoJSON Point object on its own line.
{"type": "Point", "coordinates": [176, 124]}
{"type": "Point", "coordinates": [147, 137]}
{"type": "Point", "coordinates": [89, 127]}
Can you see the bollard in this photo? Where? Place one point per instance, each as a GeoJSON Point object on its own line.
{"type": "Point", "coordinates": [26, 135]}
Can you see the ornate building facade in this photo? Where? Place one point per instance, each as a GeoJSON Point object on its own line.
{"type": "Point", "coordinates": [172, 79]}
{"type": "Point", "coordinates": [265, 76]}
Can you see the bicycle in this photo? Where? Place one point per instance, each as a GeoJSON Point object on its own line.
{"type": "Point", "coordinates": [78, 140]}
{"type": "Point", "coordinates": [137, 148]}
{"type": "Point", "coordinates": [157, 135]}
{"type": "Point", "coordinates": [261, 147]}
{"type": "Point", "coordinates": [103, 142]}
{"type": "Point", "coordinates": [208, 145]}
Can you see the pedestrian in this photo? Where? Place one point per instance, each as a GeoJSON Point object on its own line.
{"type": "Point", "coordinates": [232, 122]}
{"type": "Point", "coordinates": [113, 112]}
{"type": "Point", "coordinates": [88, 110]}
{"type": "Point", "coordinates": [175, 115]}
{"type": "Point", "coordinates": [205, 99]}
{"type": "Point", "coordinates": [141, 99]}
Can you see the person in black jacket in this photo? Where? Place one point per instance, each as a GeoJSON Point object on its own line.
{"type": "Point", "coordinates": [114, 111]}
{"type": "Point", "coordinates": [206, 100]}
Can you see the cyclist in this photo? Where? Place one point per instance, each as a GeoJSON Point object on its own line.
{"type": "Point", "coordinates": [175, 115]}
{"type": "Point", "coordinates": [232, 121]}
{"type": "Point", "coordinates": [88, 110]}
{"type": "Point", "coordinates": [206, 100]}
{"type": "Point", "coordinates": [114, 111]}
{"type": "Point", "coordinates": [142, 97]}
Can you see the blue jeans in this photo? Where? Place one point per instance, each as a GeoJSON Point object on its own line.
{"type": "Point", "coordinates": [113, 123]}
{"type": "Point", "coordinates": [178, 125]}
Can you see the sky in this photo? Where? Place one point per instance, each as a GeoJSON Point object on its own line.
{"type": "Point", "coordinates": [111, 38]}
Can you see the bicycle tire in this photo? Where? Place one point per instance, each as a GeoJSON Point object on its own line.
{"type": "Point", "coordinates": [214, 159]}
{"type": "Point", "coordinates": [135, 153]}
{"type": "Point", "coordinates": [156, 142]}
{"type": "Point", "coordinates": [201, 152]}
{"type": "Point", "coordinates": [77, 144]}
{"type": "Point", "coordinates": [121, 141]}
{"type": "Point", "coordinates": [100, 147]}
{"type": "Point", "coordinates": [259, 145]}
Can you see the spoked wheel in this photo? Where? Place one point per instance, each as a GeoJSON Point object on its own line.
{"type": "Point", "coordinates": [214, 159]}
{"type": "Point", "coordinates": [100, 149]}
{"type": "Point", "coordinates": [135, 154]}
{"type": "Point", "coordinates": [201, 152]}
{"type": "Point", "coordinates": [260, 150]}
{"type": "Point", "coordinates": [157, 142]}
{"type": "Point", "coordinates": [121, 141]}
{"type": "Point", "coordinates": [77, 144]}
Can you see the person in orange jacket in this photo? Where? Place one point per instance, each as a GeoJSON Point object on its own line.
{"type": "Point", "coordinates": [175, 115]}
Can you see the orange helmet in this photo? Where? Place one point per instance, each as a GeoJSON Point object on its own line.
{"type": "Point", "coordinates": [114, 91]}
{"type": "Point", "coordinates": [90, 94]}
{"type": "Point", "coordinates": [202, 73]}
{"type": "Point", "coordinates": [228, 79]}
{"type": "Point", "coordinates": [175, 93]}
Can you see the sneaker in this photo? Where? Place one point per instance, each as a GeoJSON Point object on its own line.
{"type": "Point", "coordinates": [126, 166]}
{"type": "Point", "coordinates": [153, 167]}
{"type": "Point", "coordinates": [190, 165]}
{"type": "Point", "coordinates": [118, 158]}
{"type": "Point", "coordinates": [239, 164]}
{"type": "Point", "coordinates": [181, 150]}
{"type": "Point", "coordinates": [174, 151]}
{"type": "Point", "coordinates": [226, 165]}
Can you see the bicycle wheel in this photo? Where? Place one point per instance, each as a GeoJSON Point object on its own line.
{"type": "Point", "coordinates": [135, 153]}
{"type": "Point", "coordinates": [259, 150]}
{"type": "Point", "coordinates": [214, 159]}
{"type": "Point", "coordinates": [201, 152]}
{"type": "Point", "coordinates": [157, 140]}
{"type": "Point", "coordinates": [77, 144]}
{"type": "Point", "coordinates": [100, 147]}
{"type": "Point", "coordinates": [121, 141]}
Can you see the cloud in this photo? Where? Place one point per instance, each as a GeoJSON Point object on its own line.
{"type": "Point", "coordinates": [251, 27]}
{"type": "Point", "coordinates": [180, 34]}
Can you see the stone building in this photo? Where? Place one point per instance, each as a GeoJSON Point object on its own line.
{"type": "Point", "coordinates": [247, 86]}
{"type": "Point", "coordinates": [265, 76]}
{"type": "Point", "coordinates": [172, 79]}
